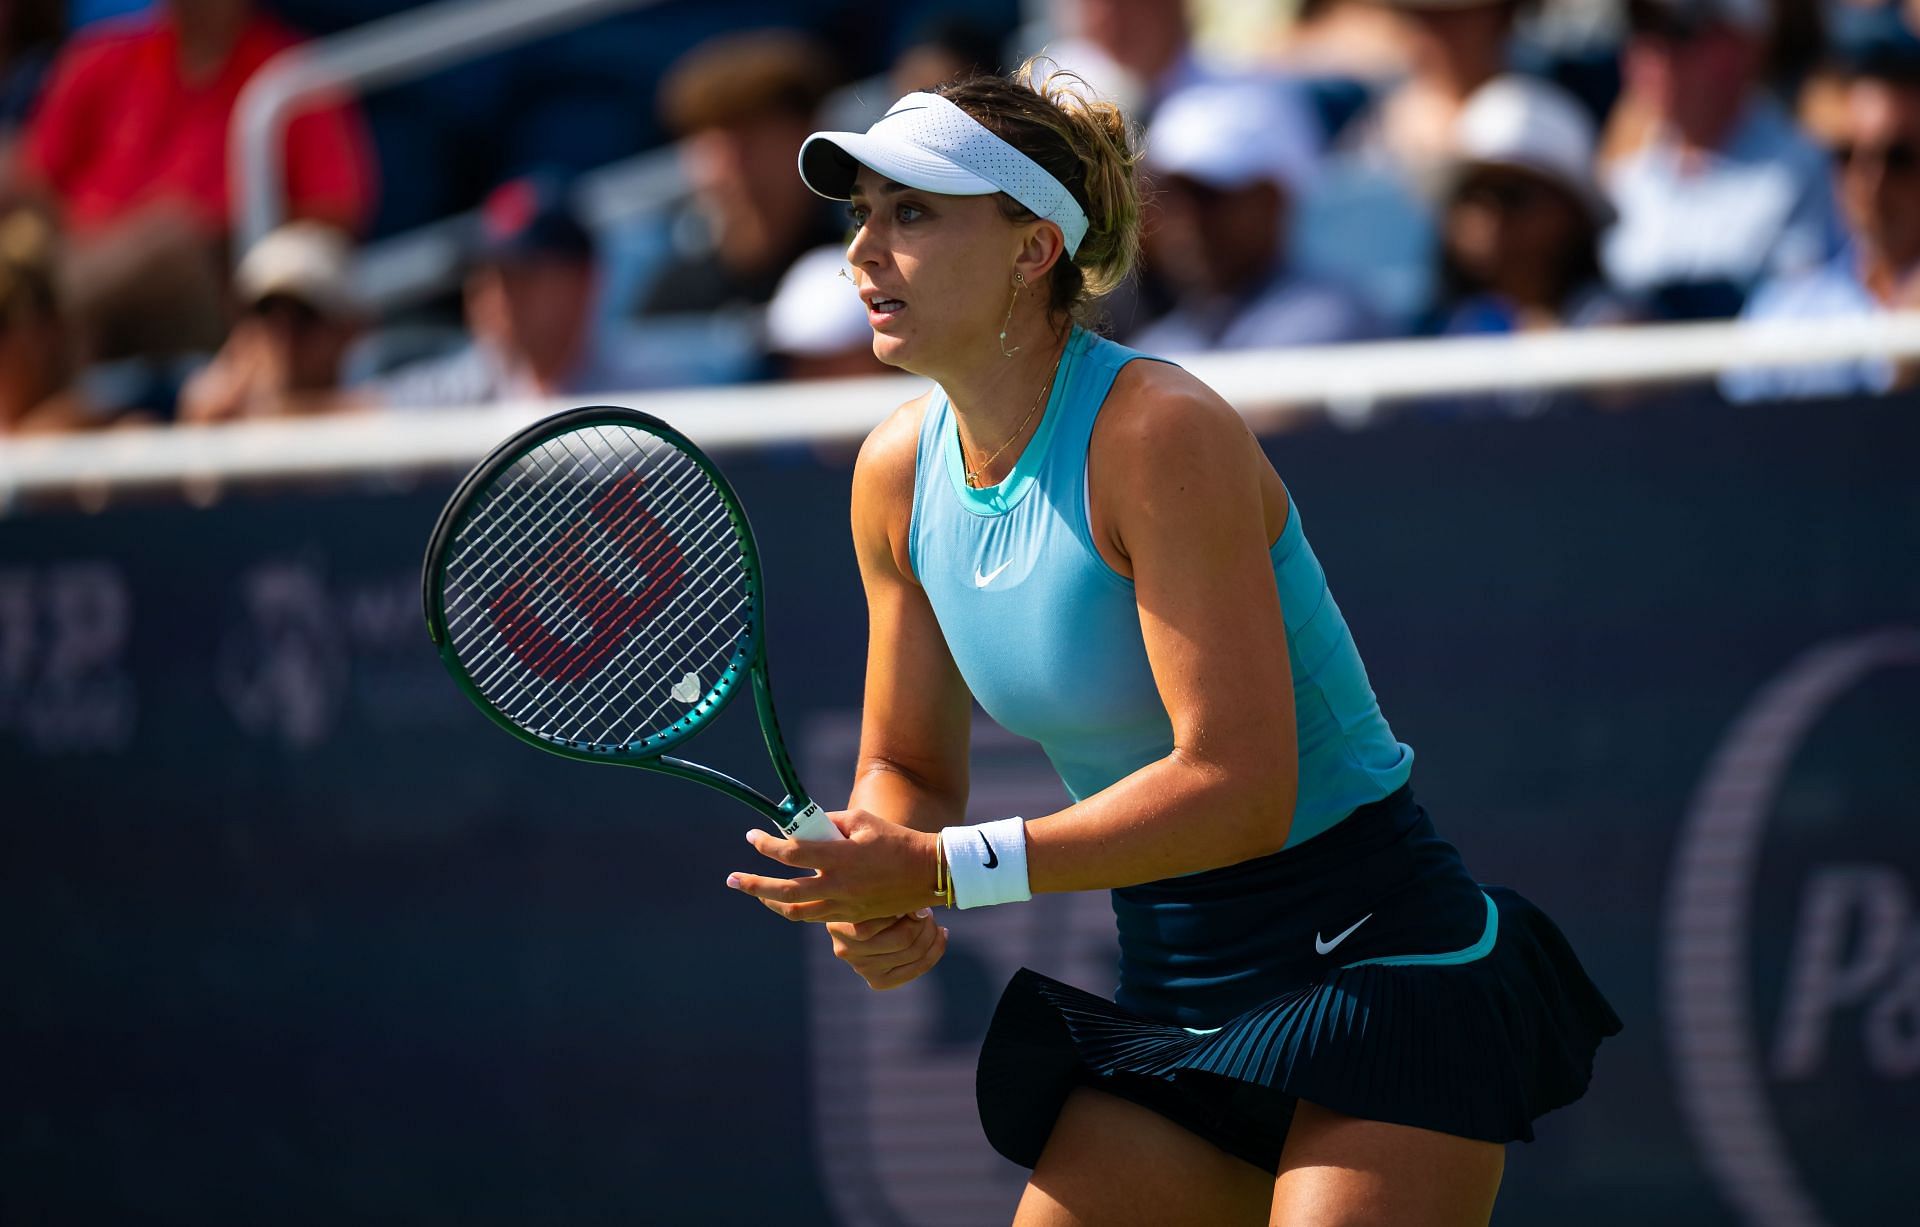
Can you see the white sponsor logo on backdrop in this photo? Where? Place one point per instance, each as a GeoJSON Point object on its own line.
{"type": "Point", "coordinates": [283, 668]}
{"type": "Point", "coordinates": [64, 685]}
{"type": "Point", "coordinates": [1853, 961]}
{"type": "Point", "coordinates": [286, 665]}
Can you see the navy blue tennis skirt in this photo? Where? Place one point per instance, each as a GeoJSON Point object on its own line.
{"type": "Point", "coordinates": [1363, 970]}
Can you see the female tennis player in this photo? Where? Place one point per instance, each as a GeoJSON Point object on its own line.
{"type": "Point", "coordinates": [1321, 1018]}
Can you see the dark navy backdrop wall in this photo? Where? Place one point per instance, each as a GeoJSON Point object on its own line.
{"type": "Point", "coordinates": [294, 935]}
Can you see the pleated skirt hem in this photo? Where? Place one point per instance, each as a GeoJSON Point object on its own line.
{"type": "Point", "coordinates": [1477, 1049]}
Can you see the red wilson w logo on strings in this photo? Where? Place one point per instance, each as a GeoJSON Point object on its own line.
{"type": "Point", "coordinates": [592, 589]}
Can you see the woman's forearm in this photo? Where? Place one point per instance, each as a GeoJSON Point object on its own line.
{"type": "Point", "coordinates": [1175, 816]}
{"type": "Point", "coordinates": [887, 790]}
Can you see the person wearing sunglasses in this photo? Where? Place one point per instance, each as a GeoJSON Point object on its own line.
{"type": "Point", "coordinates": [1876, 170]}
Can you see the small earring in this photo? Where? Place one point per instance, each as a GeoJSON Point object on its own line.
{"type": "Point", "coordinates": [1019, 280]}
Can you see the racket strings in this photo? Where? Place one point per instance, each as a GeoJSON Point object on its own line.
{"type": "Point", "coordinates": [615, 555]}
{"type": "Point", "coordinates": [678, 636]}
{"type": "Point", "coordinates": [596, 598]}
{"type": "Point", "coordinates": [583, 612]}
{"type": "Point", "coordinates": [613, 682]}
{"type": "Point", "coordinates": [602, 697]}
{"type": "Point", "coordinates": [539, 490]}
{"type": "Point", "coordinates": [502, 545]}
{"type": "Point", "coordinates": [683, 624]}
{"type": "Point", "coordinates": [591, 580]}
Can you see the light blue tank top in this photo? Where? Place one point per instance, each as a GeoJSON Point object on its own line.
{"type": "Point", "coordinates": [1047, 635]}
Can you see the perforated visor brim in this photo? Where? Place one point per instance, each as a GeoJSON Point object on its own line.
{"type": "Point", "coordinates": [830, 161]}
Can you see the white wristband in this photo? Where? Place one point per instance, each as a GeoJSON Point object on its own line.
{"type": "Point", "coordinates": [987, 863]}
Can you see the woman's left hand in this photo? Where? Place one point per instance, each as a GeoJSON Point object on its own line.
{"type": "Point", "coordinates": [879, 869]}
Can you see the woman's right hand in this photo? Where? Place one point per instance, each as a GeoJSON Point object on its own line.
{"type": "Point", "coordinates": [892, 950]}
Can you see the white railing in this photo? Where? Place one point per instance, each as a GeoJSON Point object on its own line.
{"type": "Point", "coordinates": [397, 48]}
{"type": "Point", "coordinates": [1272, 387]}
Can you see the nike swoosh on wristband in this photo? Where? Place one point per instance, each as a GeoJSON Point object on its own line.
{"type": "Point", "coordinates": [981, 581]}
{"type": "Point", "coordinates": [993, 858]}
{"type": "Point", "coordinates": [1324, 947]}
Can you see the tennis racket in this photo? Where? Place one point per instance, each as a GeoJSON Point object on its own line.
{"type": "Point", "coordinates": [594, 588]}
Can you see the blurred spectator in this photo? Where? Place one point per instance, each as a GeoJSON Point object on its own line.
{"type": "Point", "coordinates": [530, 298]}
{"type": "Point", "coordinates": [742, 104]}
{"type": "Point", "coordinates": [1821, 108]}
{"type": "Point", "coordinates": [1371, 223]}
{"type": "Point", "coordinates": [138, 111]}
{"type": "Point", "coordinates": [1522, 216]}
{"type": "Point", "coordinates": [285, 354]}
{"type": "Point", "coordinates": [1455, 47]}
{"type": "Point", "coordinates": [816, 324]}
{"type": "Point", "coordinates": [1877, 169]}
{"type": "Point", "coordinates": [37, 395]}
{"type": "Point", "coordinates": [1228, 160]}
{"type": "Point", "coordinates": [1725, 189]}
{"type": "Point", "coordinates": [1873, 35]}
{"type": "Point", "coordinates": [130, 146]}
{"type": "Point", "coordinates": [1135, 52]}
{"type": "Point", "coordinates": [1360, 39]}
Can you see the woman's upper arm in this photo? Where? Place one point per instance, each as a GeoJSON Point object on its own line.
{"type": "Point", "coordinates": [1194, 529]}
{"type": "Point", "coordinates": [918, 711]}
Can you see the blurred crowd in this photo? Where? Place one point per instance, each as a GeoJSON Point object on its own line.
{"type": "Point", "coordinates": [1319, 171]}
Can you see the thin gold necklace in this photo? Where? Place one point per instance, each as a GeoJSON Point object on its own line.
{"type": "Point", "coordinates": [974, 471]}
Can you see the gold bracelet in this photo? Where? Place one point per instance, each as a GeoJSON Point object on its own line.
{"type": "Point", "coordinates": [940, 870]}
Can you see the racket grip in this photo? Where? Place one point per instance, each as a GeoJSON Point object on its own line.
{"type": "Point", "coordinates": [813, 823]}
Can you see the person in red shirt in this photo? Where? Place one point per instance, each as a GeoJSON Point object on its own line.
{"type": "Point", "coordinates": [129, 146]}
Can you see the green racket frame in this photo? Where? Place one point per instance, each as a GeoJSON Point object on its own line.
{"type": "Point", "coordinates": [796, 816]}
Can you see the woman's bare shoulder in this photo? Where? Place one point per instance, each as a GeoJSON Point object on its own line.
{"type": "Point", "coordinates": [885, 467]}
{"type": "Point", "coordinates": [1156, 411]}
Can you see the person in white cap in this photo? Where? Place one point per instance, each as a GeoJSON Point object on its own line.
{"type": "Point", "coordinates": [1320, 1016]}
{"type": "Point", "coordinates": [298, 320]}
{"type": "Point", "coordinates": [815, 328]}
{"type": "Point", "coordinates": [1522, 216]}
{"type": "Point", "coordinates": [1229, 161]}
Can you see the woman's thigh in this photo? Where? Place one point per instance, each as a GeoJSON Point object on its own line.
{"type": "Point", "coordinates": [1111, 1163]}
{"type": "Point", "coordinates": [1340, 1171]}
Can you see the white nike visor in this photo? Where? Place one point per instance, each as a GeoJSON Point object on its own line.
{"type": "Point", "coordinates": [926, 142]}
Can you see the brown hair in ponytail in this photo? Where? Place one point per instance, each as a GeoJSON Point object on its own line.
{"type": "Point", "coordinates": [1087, 144]}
